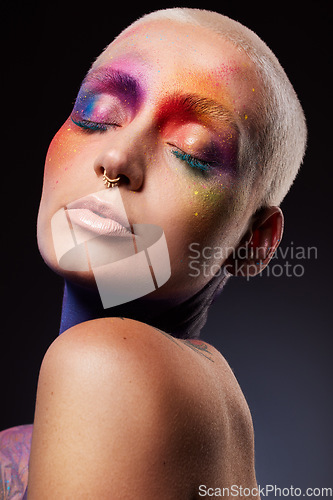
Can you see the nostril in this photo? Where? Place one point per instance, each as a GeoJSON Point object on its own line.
{"type": "Point", "coordinates": [124, 179]}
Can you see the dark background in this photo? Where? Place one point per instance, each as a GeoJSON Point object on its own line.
{"type": "Point", "coordinates": [275, 332]}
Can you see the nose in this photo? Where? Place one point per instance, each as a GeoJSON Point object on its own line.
{"type": "Point", "coordinates": [123, 154]}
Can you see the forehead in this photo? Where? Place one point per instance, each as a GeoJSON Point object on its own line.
{"type": "Point", "coordinates": [173, 56]}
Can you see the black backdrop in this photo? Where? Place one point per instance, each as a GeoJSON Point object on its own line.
{"type": "Point", "coordinates": [275, 331]}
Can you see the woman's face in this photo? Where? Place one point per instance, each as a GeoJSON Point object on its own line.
{"type": "Point", "coordinates": [163, 108]}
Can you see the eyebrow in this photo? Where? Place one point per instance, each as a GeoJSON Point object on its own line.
{"type": "Point", "coordinates": [198, 106]}
{"type": "Point", "coordinates": [110, 80]}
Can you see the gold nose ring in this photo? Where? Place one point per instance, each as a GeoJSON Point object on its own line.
{"type": "Point", "coordinates": [110, 182]}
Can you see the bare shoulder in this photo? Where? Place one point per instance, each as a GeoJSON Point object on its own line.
{"type": "Point", "coordinates": [118, 399]}
{"type": "Point", "coordinates": [126, 347]}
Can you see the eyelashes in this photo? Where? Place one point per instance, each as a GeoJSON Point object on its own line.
{"type": "Point", "coordinates": [90, 126]}
{"type": "Point", "coordinates": [194, 162]}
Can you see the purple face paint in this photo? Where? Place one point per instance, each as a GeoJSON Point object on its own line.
{"type": "Point", "coordinates": [107, 97]}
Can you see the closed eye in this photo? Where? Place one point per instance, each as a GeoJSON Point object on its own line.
{"type": "Point", "coordinates": [91, 126]}
{"type": "Point", "coordinates": [194, 162]}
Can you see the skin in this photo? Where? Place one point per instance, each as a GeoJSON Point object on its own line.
{"type": "Point", "coordinates": [96, 376]}
{"type": "Point", "coordinates": [214, 207]}
{"type": "Point", "coordinates": [14, 457]}
{"type": "Point", "coordinates": [126, 412]}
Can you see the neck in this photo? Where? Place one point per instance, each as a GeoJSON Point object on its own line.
{"type": "Point", "coordinates": [78, 305]}
{"type": "Point", "coordinates": [183, 321]}
{"type": "Point", "coordinates": [81, 304]}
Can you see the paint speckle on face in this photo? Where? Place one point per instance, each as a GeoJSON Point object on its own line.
{"type": "Point", "coordinates": [65, 147]}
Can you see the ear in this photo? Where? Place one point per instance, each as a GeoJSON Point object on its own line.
{"type": "Point", "coordinates": [258, 245]}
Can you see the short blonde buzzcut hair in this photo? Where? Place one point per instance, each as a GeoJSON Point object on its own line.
{"type": "Point", "coordinates": [273, 151]}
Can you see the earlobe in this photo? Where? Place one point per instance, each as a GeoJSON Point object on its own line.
{"type": "Point", "coordinates": [259, 243]}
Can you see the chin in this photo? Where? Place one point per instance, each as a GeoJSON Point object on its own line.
{"type": "Point", "coordinates": [83, 278]}
{"type": "Point", "coordinates": [118, 276]}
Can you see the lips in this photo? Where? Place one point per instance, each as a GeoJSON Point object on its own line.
{"type": "Point", "coordinates": [101, 214]}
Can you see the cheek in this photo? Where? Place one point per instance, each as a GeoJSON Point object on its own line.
{"type": "Point", "coordinates": [198, 215]}
{"type": "Point", "coordinates": [211, 213]}
{"type": "Point", "coordinates": [65, 148]}
{"type": "Point", "coordinates": [207, 201]}
{"type": "Point", "coordinates": [198, 211]}
{"type": "Point", "coordinates": [211, 202]}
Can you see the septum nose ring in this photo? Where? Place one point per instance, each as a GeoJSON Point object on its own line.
{"type": "Point", "coordinates": [110, 182]}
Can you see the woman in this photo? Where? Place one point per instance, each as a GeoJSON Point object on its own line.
{"type": "Point", "coordinates": [185, 134]}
